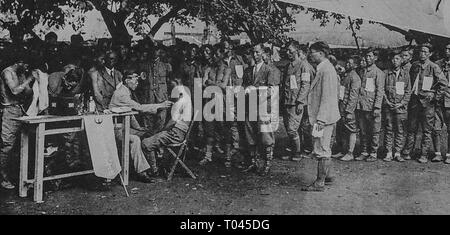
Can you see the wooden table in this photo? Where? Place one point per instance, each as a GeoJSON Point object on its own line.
{"type": "Point", "coordinates": [39, 125]}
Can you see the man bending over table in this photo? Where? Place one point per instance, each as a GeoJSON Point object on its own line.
{"type": "Point", "coordinates": [122, 98]}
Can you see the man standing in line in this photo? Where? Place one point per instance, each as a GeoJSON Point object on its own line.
{"type": "Point", "coordinates": [349, 95]}
{"type": "Point", "coordinates": [428, 89]}
{"type": "Point", "coordinates": [369, 107]}
{"type": "Point", "coordinates": [323, 112]}
{"type": "Point", "coordinates": [444, 64]}
{"type": "Point", "coordinates": [296, 86]}
{"type": "Point", "coordinates": [259, 78]}
{"type": "Point", "coordinates": [395, 108]}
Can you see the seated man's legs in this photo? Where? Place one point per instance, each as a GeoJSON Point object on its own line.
{"type": "Point", "coordinates": [164, 138]}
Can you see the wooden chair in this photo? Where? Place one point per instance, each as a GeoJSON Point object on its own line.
{"type": "Point", "coordinates": [182, 150]}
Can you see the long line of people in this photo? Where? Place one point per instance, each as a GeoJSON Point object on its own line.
{"type": "Point", "coordinates": [403, 97]}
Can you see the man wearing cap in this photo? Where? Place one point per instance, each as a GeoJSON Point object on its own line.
{"type": "Point", "coordinates": [122, 98]}
{"type": "Point", "coordinates": [323, 110]}
{"type": "Point", "coordinates": [369, 107]}
{"type": "Point", "coordinates": [395, 107]}
{"type": "Point", "coordinates": [14, 88]}
{"type": "Point", "coordinates": [444, 64]}
{"type": "Point", "coordinates": [429, 85]}
{"type": "Point", "coordinates": [297, 82]}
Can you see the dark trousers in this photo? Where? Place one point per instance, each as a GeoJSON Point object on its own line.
{"type": "Point", "coordinates": [395, 128]}
{"type": "Point", "coordinates": [10, 137]}
{"type": "Point", "coordinates": [424, 116]}
{"type": "Point", "coordinates": [155, 122]}
{"type": "Point", "coordinates": [370, 126]}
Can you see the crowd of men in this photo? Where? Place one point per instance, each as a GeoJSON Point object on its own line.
{"type": "Point", "coordinates": [319, 98]}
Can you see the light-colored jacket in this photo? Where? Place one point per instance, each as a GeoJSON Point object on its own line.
{"type": "Point", "coordinates": [323, 97]}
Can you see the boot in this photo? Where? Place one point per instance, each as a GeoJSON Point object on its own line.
{"type": "Point", "coordinates": [423, 159]}
{"type": "Point", "coordinates": [438, 157]}
{"type": "Point", "coordinates": [231, 151]}
{"type": "Point", "coordinates": [153, 167]}
{"type": "Point", "coordinates": [362, 157]}
{"type": "Point", "coordinates": [329, 179]}
{"type": "Point", "coordinates": [269, 159]}
{"type": "Point", "coordinates": [388, 157]}
{"type": "Point", "coordinates": [447, 160]}
{"type": "Point", "coordinates": [348, 157]}
{"type": "Point", "coordinates": [208, 156]}
{"type": "Point", "coordinates": [399, 157]}
{"type": "Point", "coordinates": [252, 164]}
{"type": "Point", "coordinates": [319, 184]}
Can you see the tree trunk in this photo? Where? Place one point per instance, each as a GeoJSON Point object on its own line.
{"type": "Point", "coordinates": [115, 22]}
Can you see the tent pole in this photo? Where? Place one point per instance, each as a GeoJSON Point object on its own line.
{"type": "Point", "coordinates": [354, 33]}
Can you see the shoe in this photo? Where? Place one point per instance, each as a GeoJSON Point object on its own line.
{"type": "Point", "coordinates": [205, 161]}
{"type": "Point", "coordinates": [337, 155]}
{"type": "Point", "coordinates": [145, 178]}
{"type": "Point", "coordinates": [372, 158]}
{"type": "Point", "coordinates": [286, 158]}
{"type": "Point", "coordinates": [330, 181]}
{"type": "Point", "coordinates": [348, 157]}
{"type": "Point", "coordinates": [406, 157]}
{"type": "Point", "coordinates": [362, 157]}
{"type": "Point", "coordinates": [437, 158]}
{"type": "Point", "coordinates": [218, 149]}
{"type": "Point", "coordinates": [423, 159]}
{"type": "Point", "coordinates": [315, 187]}
{"type": "Point", "coordinates": [388, 158]}
{"type": "Point", "coordinates": [297, 157]}
{"type": "Point", "coordinates": [399, 158]}
{"type": "Point", "coordinates": [447, 160]}
{"type": "Point", "coordinates": [7, 185]}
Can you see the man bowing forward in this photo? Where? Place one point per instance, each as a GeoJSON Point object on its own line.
{"type": "Point", "coordinates": [323, 112]}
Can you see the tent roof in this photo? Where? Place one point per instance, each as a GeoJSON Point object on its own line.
{"type": "Point", "coordinates": [428, 16]}
{"type": "Point", "coordinates": [369, 35]}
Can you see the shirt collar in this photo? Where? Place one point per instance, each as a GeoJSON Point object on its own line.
{"type": "Point", "coordinates": [322, 64]}
{"type": "Point", "coordinates": [109, 71]}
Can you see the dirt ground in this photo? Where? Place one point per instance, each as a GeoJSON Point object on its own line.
{"type": "Point", "coordinates": [361, 188]}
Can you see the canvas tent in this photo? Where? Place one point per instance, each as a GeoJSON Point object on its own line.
{"type": "Point", "coordinates": [427, 16]}
{"type": "Point", "coordinates": [340, 35]}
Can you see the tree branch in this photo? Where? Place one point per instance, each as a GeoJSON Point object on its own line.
{"type": "Point", "coordinates": [164, 19]}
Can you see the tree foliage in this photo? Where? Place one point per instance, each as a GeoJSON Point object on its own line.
{"type": "Point", "coordinates": [20, 17]}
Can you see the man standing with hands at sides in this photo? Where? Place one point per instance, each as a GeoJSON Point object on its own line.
{"type": "Point", "coordinates": [256, 132]}
{"type": "Point", "coordinates": [349, 94]}
{"type": "Point", "coordinates": [395, 107]}
{"type": "Point", "coordinates": [428, 89]}
{"type": "Point", "coordinates": [323, 112]}
{"type": "Point", "coordinates": [444, 64]}
{"type": "Point", "coordinates": [369, 107]}
{"type": "Point", "coordinates": [296, 86]}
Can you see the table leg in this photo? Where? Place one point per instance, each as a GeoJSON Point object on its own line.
{"type": "Point", "coordinates": [23, 189]}
{"type": "Point", "coordinates": [126, 149]}
{"type": "Point", "coordinates": [39, 163]}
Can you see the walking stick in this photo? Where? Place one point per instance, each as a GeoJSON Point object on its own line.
{"type": "Point", "coordinates": [123, 184]}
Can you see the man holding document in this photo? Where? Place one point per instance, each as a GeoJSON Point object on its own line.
{"type": "Point", "coordinates": [323, 112]}
{"type": "Point", "coordinates": [429, 85]}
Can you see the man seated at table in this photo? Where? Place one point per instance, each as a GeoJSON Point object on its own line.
{"type": "Point", "coordinates": [176, 129]}
{"type": "Point", "coordinates": [122, 97]}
